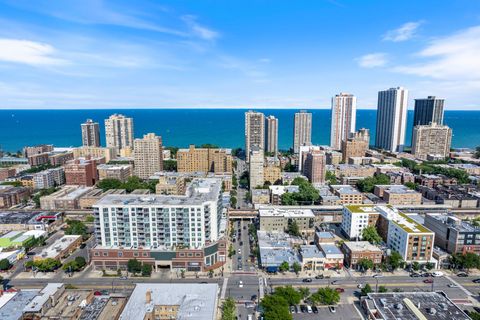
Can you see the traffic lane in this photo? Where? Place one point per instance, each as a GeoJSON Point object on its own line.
{"type": "Point", "coordinates": [354, 280]}
{"type": "Point", "coordinates": [249, 287]}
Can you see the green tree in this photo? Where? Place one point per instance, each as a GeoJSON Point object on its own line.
{"type": "Point", "coordinates": [330, 177]}
{"type": "Point", "coordinates": [382, 289]}
{"type": "Point", "coordinates": [90, 218]}
{"type": "Point", "coordinates": [296, 267]}
{"type": "Point", "coordinates": [371, 235]}
{"type": "Point", "coordinates": [169, 165]}
{"type": "Point", "coordinates": [429, 266]}
{"type": "Point", "coordinates": [275, 307]}
{"type": "Point", "coordinates": [231, 251]}
{"type": "Point", "coordinates": [47, 265]}
{"type": "Point", "coordinates": [411, 185]}
{"type": "Point", "coordinates": [474, 315]}
{"type": "Point", "coordinates": [109, 183]}
{"type": "Point", "coordinates": [146, 270]}
{"type": "Point", "coordinates": [134, 266]}
{"type": "Point", "coordinates": [293, 229]}
{"type": "Point", "coordinates": [369, 183]}
{"type": "Point", "coordinates": [284, 266]}
{"type": "Point", "coordinates": [395, 260]}
{"type": "Point", "coordinates": [76, 227]}
{"type": "Point", "coordinates": [304, 292]}
{"type": "Point", "coordinates": [326, 296]}
{"type": "Point", "coordinates": [5, 264]}
{"type": "Point", "coordinates": [233, 202]}
{"type": "Point", "coordinates": [366, 290]}
{"type": "Point", "coordinates": [415, 266]}
{"type": "Point", "coordinates": [229, 309]}
{"type": "Point", "coordinates": [365, 264]}
{"type": "Point", "coordinates": [289, 293]}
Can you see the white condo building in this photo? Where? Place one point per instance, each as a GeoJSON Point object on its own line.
{"type": "Point", "coordinates": [391, 119]}
{"type": "Point", "coordinates": [302, 130]}
{"type": "Point", "coordinates": [344, 115]}
{"type": "Point", "coordinates": [161, 221]}
{"type": "Point", "coordinates": [119, 132]}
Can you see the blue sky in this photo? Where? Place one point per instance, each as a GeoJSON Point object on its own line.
{"type": "Point", "coordinates": [230, 54]}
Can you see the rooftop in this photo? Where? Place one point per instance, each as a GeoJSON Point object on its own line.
{"type": "Point", "coordinates": [199, 191]}
{"type": "Point", "coordinates": [345, 189]}
{"type": "Point", "coordinates": [278, 190]}
{"type": "Point", "coordinates": [58, 246]}
{"type": "Point", "coordinates": [359, 246]}
{"type": "Point", "coordinates": [414, 306]}
{"type": "Point", "coordinates": [36, 304]}
{"type": "Point", "coordinates": [455, 223]}
{"type": "Point", "coordinates": [286, 213]}
{"type": "Point", "coordinates": [310, 251]}
{"type": "Point", "coordinates": [330, 249]}
{"type": "Point", "coordinates": [194, 301]}
{"type": "Point", "coordinates": [12, 303]}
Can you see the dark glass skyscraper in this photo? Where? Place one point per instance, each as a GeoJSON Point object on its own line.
{"type": "Point", "coordinates": [428, 111]}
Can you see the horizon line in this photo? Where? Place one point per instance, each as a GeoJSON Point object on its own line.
{"type": "Point", "coordinates": [199, 108]}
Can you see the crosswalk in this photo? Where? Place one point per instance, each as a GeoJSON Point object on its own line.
{"type": "Point", "coordinates": [224, 288]}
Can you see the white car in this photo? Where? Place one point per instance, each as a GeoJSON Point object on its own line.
{"type": "Point", "coordinates": [451, 285]}
{"type": "Point", "coordinates": [309, 309]}
{"type": "Point", "coordinates": [437, 274]}
{"type": "Point", "coordinates": [240, 284]}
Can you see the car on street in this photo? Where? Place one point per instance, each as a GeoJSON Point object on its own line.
{"type": "Point", "coordinates": [307, 280]}
{"type": "Point", "coordinates": [244, 227]}
{"type": "Point", "coordinates": [339, 290]}
{"type": "Point", "coordinates": [428, 281]}
{"type": "Point", "coordinates": [292, 309]}
{"type": "Point", "coordinates": [320, 276]}
{"type": "Point", "coordinates": [426, 274]}
{"type": "Point", "coordinates": [377, 275]}
{"type": "Point", "coordinates": [241, 243]}
{"type": "Point", "coordinates": [437, 274]}
{"type": "Point", "coordinates": [415, 275]}
{"type": "Point", "coordinates": [452, 285]}
{"type": "Point", "coordinates": [254, 297]}
{"type": "Point", "coordinates": [240, 284]}
{"type": "Point", "coordinates": [476, 280]}
{"type": "Point", "coordinates": [462, 274]}
{"type": "Point", "coordinates": [332, 309]}
{"type": "Point", "coordinates": [309, 309]}
{"type": "Point", "coordinates": [360, 286]}
{"type": "Point", "coordinates": [314, 309]}
{"type": "Point", "coordinates": [334, 282]}
{"type": "Point", "coordinates": [124, 278]}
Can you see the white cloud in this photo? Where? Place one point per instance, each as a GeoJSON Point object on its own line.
{"type": "Point", "coordinates": [199, 30]}
{"type": "Point", "coordinates": [404, 33]}
{"type": "Point", "coordinates": [452, 58]}
{"type": "Point", "coordinates": [372, 60]}
{"type": "Point", "coordinates": [28, 52]}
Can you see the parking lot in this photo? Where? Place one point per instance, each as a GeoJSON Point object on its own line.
{"type": "Point", "coordinates": [342, 312]}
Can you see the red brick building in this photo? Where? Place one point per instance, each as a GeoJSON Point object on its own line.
{"type": "Point", "coordinates": [82, 172]}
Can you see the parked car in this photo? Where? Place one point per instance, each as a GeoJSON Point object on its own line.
{"type": "Point", "coordinates": [462, 274]}
{"type": "Point", "coordinates": [334, 282]}
{"type": "Point", "coordinates": [240, 284]}
{"type": "Point", "coordinates": [437, 274]}
{"type": "Point", "coordinates": [307, 280]}
{"type": "Point", "coordinates": [320, 276]}
{"type": "Point", "coordinates": [254, 297]}
{"type": "Point", "coordinates": [428, 281]}
{"type": "Point", "coordinates": [314, 309]}
{"type": "Point", "coordinates": [332, 309]}
{"type": "Point", "coordinates": [297, 309]}
{"type": "Point", "coordinates": [415, 275]}
{"type": "Point", "coordinates": [292, 309]}
{"type": "Point", "coordinates": [339, 290]}
{"type": "Point", "coordinates": [303, 308]}
{"type": "Point", "coordinates": [476, 280]}
{"type": "Point", "coordinates": [451, 285]}
{"type": "Point", "coordinates": [309, 309]}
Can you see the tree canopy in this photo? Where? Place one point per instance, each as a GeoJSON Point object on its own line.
{"type": "Point", "coordinates": [369, 183]}
{"type": "Point", "coordinates": [325, 296]}
{"type": "Point", "coordinates": [131, 184]}
{"type": "Point", "coordinates": [307, 194]}
{"type": "Point", "coordinates": [371, 235]}
{"type": "Point", "coordinates": [229, 309]}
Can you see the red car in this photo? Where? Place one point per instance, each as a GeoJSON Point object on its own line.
{"type": "Point", "coordinates": [339, 290]}
{"type": "Point", "coordinates": [428, 281]}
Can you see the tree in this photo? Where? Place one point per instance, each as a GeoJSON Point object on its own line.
{"type": "Point", "coordinates": [284, 266]}
{"type": "Point", "coordinates": [290, 295]}
{"type": "Point", "coordinates": [229, 309]}
{"type": "Point", "coordinates": [395, 260]}
{"type": "Point", "coordinates": [369, 183]}
{"type": "Point", "coordinates": [326, 296]}
{"type": "Point", "coordinates": [231, 251]}
{"type": "Point", "coordinates": [275, 307]}
{"type": "Point", "coordinates": [429, 266]}
{"type": "Point", "coordinates": [382, 289]}
{"type": "Point", "coordinates": [474, 315]}
{"type": "Point", "coordinates": [366, 290]}
{"type": "Point", "coordinates": [365, 264]}
{"type": "Point", "coordinates": [296, 267]}
{"type": "Point", "coordinates": [90, 218]}
{"type": "Point", "coordinates": [411, 185]}
{"type": "Point", "coordinates": [415, 266]}
{"type": "Point", "coordinates": [46, 265]}
{"type": "Point", "coordinates": [5, 264]}
{"type": "Point", "coordinates": [465, 261]}
{"type": "Point", "coordinates": [134, 266]}
{"type": "Point", "coordinates": [233, 202]}
{"type": "Point", "coordinates": [109, 183]}
{"type": "Point", "coordinates": [304, 292]}
{"type": "Point", "coordinates": [371, 235]}
{"type": "Point", "coordinates": [146, 270]}
{"type": "Point", "coordinates": [330, 177]}
{"type": "Point", "coordinates": [76, 227]}
{"type": "Point", "coordinates": [169, 165]}
{"type": "Point", "coordinates": [293, 229]}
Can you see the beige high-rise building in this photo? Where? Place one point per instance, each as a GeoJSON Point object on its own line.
{"type": "Point", "coordinates": [431, 139]}
{"type": "Point", "coordinates": [272, 134]}
{"type": "Point", "coordinates": [257, 161]}
{"type": "Point", "coordinates": [148, 155]}
{"type": "Point", "coordinates": [272, 173]}
{"type": "Point", "coordinates": [302, 130]}
{"type": "Point", "coordinates": [315, 169]}
{"type": "Point", "coordinates": [356, 145]}
{"type": "Point", "coordinates": [254, 132]}
{"type": "Point", "coordinates": [344, 115]}
{"type": "Point", "coordinates": [119, 132]}
{"type": "Point", "coordinates": [108, 153]}
{"type": "Point", "coordinates": [204, 160]}
{"type": "Point", "coordinates": [90, 134]}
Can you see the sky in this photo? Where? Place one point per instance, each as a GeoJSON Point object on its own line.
{"type": "Point", "coordinates": [235, 54]}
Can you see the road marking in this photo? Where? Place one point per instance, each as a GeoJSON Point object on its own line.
{"type": "Point", "coordinates": [261, 292]}
{"type": "Point", "coordinates": [459, 285]}
{"type": "Point", "coordinates": [358, 311]}
{"type": "Point", "coordinates": [224, 288]}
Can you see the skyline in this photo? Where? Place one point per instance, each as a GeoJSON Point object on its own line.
{"type": "Point", "coordinates": [191, 55]}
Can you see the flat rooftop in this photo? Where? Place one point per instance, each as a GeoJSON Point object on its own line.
{"type": "Point", "coordinates": [330, 249]}
{"type": "Point", "coordinates": [58, 246]}
{"type": "Point", "coordinates": [311, 251]}
{"type": "Point", "coordinates": [345, 189]}
{"type": "Point", "coordinates": [195, 301]}
{"type": "Point", "coordinates": [360, 246]}
{"type": "Point", "coordinates": [415, 305]}
{"type": "Point", "coordinates": [455, 223]}
{"type": "Point", "coordinates": [198, 191]}
{"type": "Point", "coordinates": [12, 303]}
{"type": "Point", "coordinates": [36, 304]}
{"type": "Point", "coordinates": [286, 213]}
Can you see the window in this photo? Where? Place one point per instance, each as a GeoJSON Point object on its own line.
{"type": "Point", "coordinates": [135, 254]}
{"type": "Point", "coordinates": [105, 254]}
{"type": "Point", "coordinates": [120, 254]}
{"type": "Point", "coordinates": [144, 254]}
{"type": "Point", "coordinates": [96, 254]}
